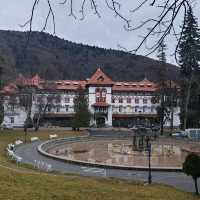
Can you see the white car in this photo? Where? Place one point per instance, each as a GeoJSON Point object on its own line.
{"type": "Point", "coordinates": [6, 126]}
{"type": "Point", "coordinates": [179, 134]}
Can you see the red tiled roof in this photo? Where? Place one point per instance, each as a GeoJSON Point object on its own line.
{"type": "Point", "coordinates": [62, 84]}
{"type": "Point", "coordinates": [100, 104]}
{"type": "Point", "coordinates": [9, 89]}
{"type": "Point", "coordinates": [144, 85]}
{"type": "Point", "coordinates": [99, 78]}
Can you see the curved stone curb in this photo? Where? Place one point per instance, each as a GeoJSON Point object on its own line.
{"type": "Point", "coordinates": [79, 162]}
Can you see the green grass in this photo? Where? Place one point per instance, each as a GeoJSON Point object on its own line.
{"type": "Point", "coordinates": [26, 184]}
{"type": "Point", "coordinates": [19, 186]}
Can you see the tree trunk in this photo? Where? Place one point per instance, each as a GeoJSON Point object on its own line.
{"type": "Point", "coordinates": [171, 109]}
{"type": "Point", "coordinates": [196, 186]}
{"type": "Point", "coordinates": [187, 99]}
{"type": "Point", "coordinates": [25, 135]}
{"type": "Point", "coordinates": [171, 121]}
{"type": "Point", "coordinates": [162, 115]}
{"type": "Point", "coordinates": [39, 117]}
{"type": "Point", "coordinates": [37, 122]}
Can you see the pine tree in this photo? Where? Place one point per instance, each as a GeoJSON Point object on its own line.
{"type": "Point", "coordinates": [82, 114]}
{"type": "Point", "coordinates": [1, 85]}
{"type": "Point", "coordinates": [161, 52]}
{"type": "Point", "coordinates": [189, 54]}
{"type": "Point", "coordinates": [161, 110]}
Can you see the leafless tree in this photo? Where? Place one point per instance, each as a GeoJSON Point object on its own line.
{"type": "Point", "coordinates": [25, 95]}
{"type": "Point", "coordinates": [44, 101]}
{"type": "Point", "coordinates": [158, 27]}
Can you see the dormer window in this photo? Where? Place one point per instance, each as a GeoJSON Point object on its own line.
{"type": "Point", "coordinates": [100, 79]}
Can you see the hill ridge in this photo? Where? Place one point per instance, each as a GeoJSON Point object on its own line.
{"type": "Point", "coordinates": [55, 58]}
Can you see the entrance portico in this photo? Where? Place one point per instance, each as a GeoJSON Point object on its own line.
{"type": "Point", "coordinates": [101, 110]}
{"type": "Point", "coordinates": [100, 89]}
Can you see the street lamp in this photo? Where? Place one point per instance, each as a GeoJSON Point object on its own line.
{"type": "Point", "coordinates": [149, 159]}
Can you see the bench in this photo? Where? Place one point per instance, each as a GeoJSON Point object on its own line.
{"type": "Point", "coordinates": [18, 142]}
{"type": "Point", "coordinates": [33, 139]}
{"type": "Point", "coordinates": [53, 136]}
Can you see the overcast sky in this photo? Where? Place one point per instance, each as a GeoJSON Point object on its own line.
{"type": "Point", "coordinates": [107, 31]}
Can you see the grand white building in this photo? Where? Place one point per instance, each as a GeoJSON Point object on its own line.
{"type": "Point", "coordinates": [112, 103]}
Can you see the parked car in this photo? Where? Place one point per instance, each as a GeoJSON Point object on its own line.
{"type": "Point", "coordinates": [155, 128]}
{"type": "Point", "coordinates": [134, 128]}
{"type": "Point", "coordinates": [193, 133]}
{"type": "Point", "coordinates": [138, 126]}
{"type": "Point", "coordinates": [6, 126]}
{"type": "Point", "coordinates": [179, 134]}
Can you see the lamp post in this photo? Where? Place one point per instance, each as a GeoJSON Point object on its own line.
{"type": "Point", "coordinates": [149, 159]}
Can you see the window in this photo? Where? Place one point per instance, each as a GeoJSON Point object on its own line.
{"type": "Point", "coordinates": [12, 120]}
{"type": "Point", "coordinates": [103, 92]}
{"type": "Point", "coordinates": [128, 100]}
{"type": "Point", "coordinates": [58, 99]}
{"type": "Point", "coordinates": [145, 109]}
{"type": "Point", "coordinates": [129, 109]}
{"type": "Point", "coordinates": [120, 108]}
{"type": "Point", "coordinates": [154, 100]}
{"type": "Point", "coordinates": [100, 79]}
{"type": "Point", "coordinates": [57, 108]}
{"type": "Point", "coordinates": [145, 101]}
{"type": "Point", "coordinates": [49, 108]}
{"type": "Point", "coordinates": [136, 108]}
{"type": "Point", "coordinates": [137, 100]}
{"type": "Point", "coordinates": [120, 100]}
{"type": "Point", "coordinates": [12, 107]}
{"type": "Point", "coordinates": [113, 100]}
{"type": "Point", "coordinates": [67, 108]}
{"type": "Point", "coordinates": [100, 94]}
{"type": "Point", "coordinates": [40, 99]}
{"type": "Point", "coordinates": [152, 109]}
{"type": "Point", "coordinates": [67, 99]}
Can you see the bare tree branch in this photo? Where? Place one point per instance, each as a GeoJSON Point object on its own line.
{"type": "Point", "coordinates": [160, 27]}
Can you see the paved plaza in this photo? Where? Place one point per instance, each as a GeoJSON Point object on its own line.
{"type": "Point", "coordinates": [179, 180]}
{"type": "Point", "coordinates": [119, 152]}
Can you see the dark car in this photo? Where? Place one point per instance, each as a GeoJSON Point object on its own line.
{"type": "Point", "coordinates": [155, 128]}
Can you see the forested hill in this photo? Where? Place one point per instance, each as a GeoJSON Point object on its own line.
{"type": "Point", "coordinates": [55, 58]}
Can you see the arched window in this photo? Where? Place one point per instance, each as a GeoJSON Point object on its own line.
{"type": "Point", "coordinates": [100, 94]}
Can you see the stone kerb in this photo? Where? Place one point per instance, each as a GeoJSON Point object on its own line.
{"type": "Point", "coordinates": [43, 148]}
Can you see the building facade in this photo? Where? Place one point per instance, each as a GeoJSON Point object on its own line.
{"type": "Point", "coordinates": [111, 103]}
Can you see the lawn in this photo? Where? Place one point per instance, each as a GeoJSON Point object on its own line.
{"type": "Point", "coordinates": [10, 136]}
{"type": "Point", "coordinates": [22, 184]}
